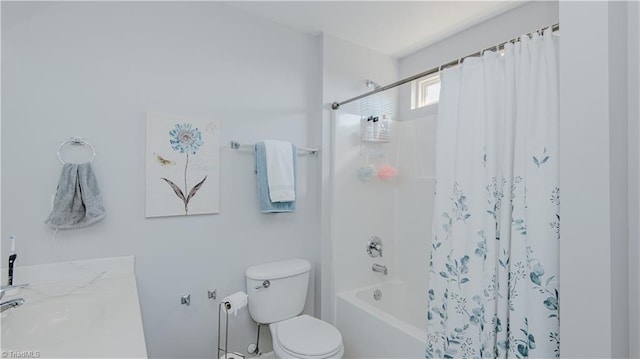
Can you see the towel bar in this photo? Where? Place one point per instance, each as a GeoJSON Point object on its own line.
{"type": "Point", "coordinates": [78, 141]}
{"type": "Point", "coordinates": [236, 146]}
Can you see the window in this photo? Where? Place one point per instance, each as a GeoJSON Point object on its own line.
{"type": "Point", "coordinates": [425, 91]}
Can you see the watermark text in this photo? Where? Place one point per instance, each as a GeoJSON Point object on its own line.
{"type": "Point", "coordinates": [20, 354]}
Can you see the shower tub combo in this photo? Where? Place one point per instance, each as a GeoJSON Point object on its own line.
{"type": "Point", "coordinates": [386, 320]}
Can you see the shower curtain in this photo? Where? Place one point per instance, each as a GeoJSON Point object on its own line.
{"type": "Point", "coordinates": [493, 273]}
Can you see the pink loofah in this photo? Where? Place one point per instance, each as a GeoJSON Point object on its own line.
{"type": "Point", "coordinates": [387, 172]}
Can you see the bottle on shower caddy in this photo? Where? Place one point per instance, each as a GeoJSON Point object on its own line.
{"type": "Point", "coordinates": [371, 128]}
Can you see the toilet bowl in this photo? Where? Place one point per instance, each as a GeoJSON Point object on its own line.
{"type": "Point", "coordinates": [306, 337]}
{"type": "Point", "coordinates": [277, 294]}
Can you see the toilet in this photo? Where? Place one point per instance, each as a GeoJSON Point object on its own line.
{"type": "Point", "coordinates": [277, 294]}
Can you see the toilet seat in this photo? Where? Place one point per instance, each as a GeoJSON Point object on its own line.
{"type": "Point", "coordinates": [308, 338]}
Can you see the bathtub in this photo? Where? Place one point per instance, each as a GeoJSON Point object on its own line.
{"type": "Point", "coordinates": [395, 326]}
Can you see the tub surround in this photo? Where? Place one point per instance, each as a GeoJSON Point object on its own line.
{"type": "Point", "coordinates": [393, 318]}
{"type": "Point", "coordinates": [86, 309]}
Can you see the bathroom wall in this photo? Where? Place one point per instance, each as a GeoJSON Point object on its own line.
{"type": "Point", "coordinates": [413, 202]}
{"type": "Point", "coordinates": [93, 69]}
{"type": "Point", "coordinates": [633, 64]}
{"type": "Point", "coordinates": [597, 228]}
{"type": "Point", "coordinates": [619, 177]}
{"type": "Point", "coordinates": [521, 20]}
{"type": "Point", "coordinates": [358, 210]}
{"type": "Point", "coordinates": [579, 145]}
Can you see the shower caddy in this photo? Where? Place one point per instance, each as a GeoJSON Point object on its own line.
{"type": "Point", "coordinates": [375, 119]}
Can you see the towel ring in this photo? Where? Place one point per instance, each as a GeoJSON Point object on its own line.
{"type": "Point", "coordinates": [78, 141]}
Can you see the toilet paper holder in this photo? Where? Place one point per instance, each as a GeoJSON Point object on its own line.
{"type": "Point", "coordinates": [225, 307]}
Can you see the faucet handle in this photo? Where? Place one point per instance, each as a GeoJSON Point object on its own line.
{"type": "Point", "coordinates": [374, 247]}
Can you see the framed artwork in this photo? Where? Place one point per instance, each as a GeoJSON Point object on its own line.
{"type": "Point", "coordinates": [182, 165]}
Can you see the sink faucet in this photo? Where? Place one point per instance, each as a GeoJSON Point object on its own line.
{"type": "Point", "coordinates": [13, 302]}
{"type": "Point", "coordinates": [379, 268]}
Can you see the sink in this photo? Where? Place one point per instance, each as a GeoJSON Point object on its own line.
{"type": "Point", "coordinates": [44, 322]}
{"type": "Point", "coordinates": [70, 313]}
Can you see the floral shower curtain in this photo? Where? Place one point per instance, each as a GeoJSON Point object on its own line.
{"type": "Point", "coordinates": [493, 273]}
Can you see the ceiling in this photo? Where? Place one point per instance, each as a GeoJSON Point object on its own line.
{"type": "Point", "coordinates": [395, 28]}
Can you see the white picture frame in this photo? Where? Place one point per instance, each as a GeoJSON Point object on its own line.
{"type": "Point", "coordinates": [182, 165]}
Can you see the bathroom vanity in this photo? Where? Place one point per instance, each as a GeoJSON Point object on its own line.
{"type": "Point", "coordinates": [82, 309]}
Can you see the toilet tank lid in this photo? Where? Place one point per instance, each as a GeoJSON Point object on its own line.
{"type": "Point", "coordinates": [279, 269]}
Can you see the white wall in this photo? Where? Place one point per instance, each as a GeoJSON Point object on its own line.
{"type": "Point", "coordinates": [521, 20]}
{"type": "Point", "coordinates": [359, 210]}
{"type": "Point", "coordinates": [619, 176]}
{"type": "Point", "coordinates": [93, 69]}
{"type": "Point", "coordinates": [634, 176]}
{"type": "Point", "coordinates": [594, 174]}
{"type": "Point", "coordinates": [413, 203]}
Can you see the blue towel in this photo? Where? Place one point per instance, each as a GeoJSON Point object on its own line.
{"type": "Point", "coordinates": [266, 206]}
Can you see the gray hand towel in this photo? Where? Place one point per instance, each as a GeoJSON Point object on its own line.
{"type": "Point", "coordinates": [78, 202]}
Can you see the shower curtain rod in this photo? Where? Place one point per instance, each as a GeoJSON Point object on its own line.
{"type": "Point", "coordinates": [336, 105]}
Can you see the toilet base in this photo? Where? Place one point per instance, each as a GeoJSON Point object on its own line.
{"type": "Point", "coordinates": [267, 355]}
{"type": "Point", "coordinates": [231, 355]}
{"type": "Point", "coordinates": [280, 353]}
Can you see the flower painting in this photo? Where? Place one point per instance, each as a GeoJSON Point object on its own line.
{"type": "Point", "coordinates": [187, 140]}
{"type": "Point", "coordinates": [183, 158]}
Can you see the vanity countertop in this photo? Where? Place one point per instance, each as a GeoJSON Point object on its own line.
{"type": "Point", "coordinates": [75, 310]}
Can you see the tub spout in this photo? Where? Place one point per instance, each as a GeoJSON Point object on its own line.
{"type": "Point", "coordinates": [379, 268]}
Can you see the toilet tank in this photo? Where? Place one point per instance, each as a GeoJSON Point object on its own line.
{"type": "Point", "coordinates": [285, 294]}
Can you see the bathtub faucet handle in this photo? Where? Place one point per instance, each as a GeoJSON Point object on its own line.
{"type": "Point", "coordinates": [374, 247]}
